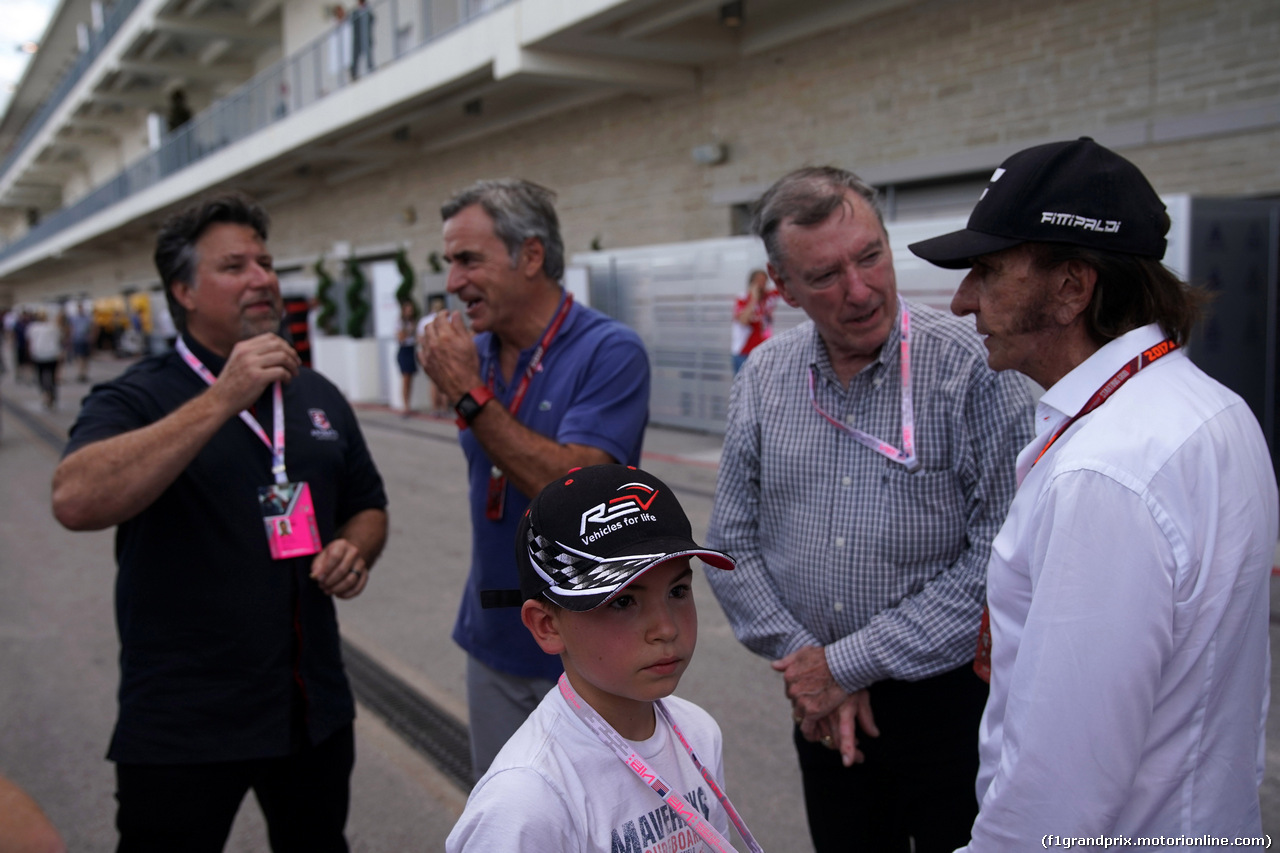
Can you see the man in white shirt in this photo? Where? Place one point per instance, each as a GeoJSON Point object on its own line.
{"type": "Point", "coordinates": [1128, 588]}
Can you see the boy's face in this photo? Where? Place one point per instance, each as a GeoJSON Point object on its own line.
{"type": "Point", "coordinates": [635, 648]}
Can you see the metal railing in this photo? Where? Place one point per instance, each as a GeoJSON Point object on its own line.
{"type": "Point", "coordinates": [98, 40]}
{"type": "Point", "coordinates": [339, 56]}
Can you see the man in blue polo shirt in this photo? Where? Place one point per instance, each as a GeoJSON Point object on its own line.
{"type": "Point", "coordinates": [545, 385]}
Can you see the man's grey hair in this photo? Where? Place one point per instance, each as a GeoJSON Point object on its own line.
{"type": "Point", "coordinates": [806, 197]}
{"type": "Point", "coordinates": [520, 210]}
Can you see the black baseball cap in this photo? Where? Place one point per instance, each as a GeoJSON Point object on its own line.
{"type": "Point", "coordinates": [590, 533]}
{"type": "Point", "coordinates": [1065, 192]}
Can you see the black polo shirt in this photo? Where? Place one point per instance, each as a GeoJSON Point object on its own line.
{"type": "Point", "coordinates": [227, 654]}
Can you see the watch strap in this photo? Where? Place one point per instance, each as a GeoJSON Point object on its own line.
{"type": "Point", "coordinates": [469, 406]}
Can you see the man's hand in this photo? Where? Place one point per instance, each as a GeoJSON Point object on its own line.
{"type": "Point", "coordinates": [812, 689]}
{"type": "Point", "coordinates": [252, 366]}
{"type": "Point", "coordinates": [839, 730]}
{"type": "Point", "coordinates": [448, 354]}
{"type": "Point", "coordinates": [340, 570]}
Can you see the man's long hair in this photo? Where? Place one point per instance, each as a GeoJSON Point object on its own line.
{"type": "Point", "coordinates": [1131, 291]}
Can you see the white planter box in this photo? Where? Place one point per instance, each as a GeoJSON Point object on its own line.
{"type": "Point", "coordinates": [352, 364]}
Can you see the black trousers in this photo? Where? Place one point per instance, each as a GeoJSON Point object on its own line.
{"type": "Point", "coordinates": [190, 807]}
{"type": "Point", "coordinates": [919, 774]}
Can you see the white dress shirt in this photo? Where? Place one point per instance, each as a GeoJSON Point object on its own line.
{"type": "Point", "coordinates": [1129, 597]}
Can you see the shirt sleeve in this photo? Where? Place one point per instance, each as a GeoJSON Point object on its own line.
{"type": "Point", "coordinates": [514, 810]}
{"type": "Point", "coordinates": [936, 629]}
{"type": "Point", "coordinates": [748, 594]}
{"type": "Point", "coordinates": [1083, 689]}
{"type": "Point", "coordinates": [611, 406]}
{"type": "Point", "coordinates": [108, 411]}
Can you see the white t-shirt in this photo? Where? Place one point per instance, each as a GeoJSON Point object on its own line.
{"type": "Point", "coordinates": [44, 341]}
{"type": "Point", "coordinates": [556, 787]}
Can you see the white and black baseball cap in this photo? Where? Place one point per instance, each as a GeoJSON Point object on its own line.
{"type": "Point", "coordinates": [590, 533]}
{"type": "Point", "coordinates": [1074, 192]}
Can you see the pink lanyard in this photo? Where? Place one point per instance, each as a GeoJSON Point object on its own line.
{"type": "Point", "coordinates": [277, 413]}
{"type": "Point", "coordinates": [650, 777]}
{"type": "Point", "coordinates": [906, 456]}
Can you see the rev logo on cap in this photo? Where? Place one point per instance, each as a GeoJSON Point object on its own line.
{"type": "Point", "coordinates": [590, 533]}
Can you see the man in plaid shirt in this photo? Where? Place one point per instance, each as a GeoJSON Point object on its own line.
{"type": "Point", "coordinates": [868, 463]}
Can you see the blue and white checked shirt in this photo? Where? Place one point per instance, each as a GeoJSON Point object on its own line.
{"type": "Point", "coordinates": [838, 546]}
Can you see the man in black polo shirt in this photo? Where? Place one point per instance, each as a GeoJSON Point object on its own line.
{"type": "Point", "coordinates": [231, 675]}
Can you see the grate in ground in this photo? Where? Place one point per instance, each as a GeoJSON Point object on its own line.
{"type": "Point", "coordinates": [434, 733]}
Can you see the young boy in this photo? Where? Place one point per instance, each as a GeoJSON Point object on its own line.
{"type": "Point", "coordinates": [605, 578]}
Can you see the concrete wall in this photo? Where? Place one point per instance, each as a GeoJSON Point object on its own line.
{"type": "Point", "coordinates": [302, 21]}
{"type": "Point", "coordinates": [1188, 89]}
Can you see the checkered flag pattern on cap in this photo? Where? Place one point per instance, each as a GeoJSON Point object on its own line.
{"type": "Point", "coordinates": [573, 572]}
{"type": "Point", "coordinates": [628, 518]}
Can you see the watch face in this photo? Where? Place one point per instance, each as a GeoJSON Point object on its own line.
{"type": "Point", "coordinates": [467, 407]}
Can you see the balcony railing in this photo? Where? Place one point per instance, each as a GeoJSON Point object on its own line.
{"type": "Point", "coordinates": [98, 40]}
{"type": "Point", "coordinates": [326, 65]}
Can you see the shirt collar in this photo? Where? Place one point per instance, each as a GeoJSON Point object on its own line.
{"type": "Point", "coordinates": [1070, 393]}
{"type": "Point", "coordinates": [889, 350]}
{"type": "Point", "coordinates": [492, 346]}
{"type": "Point", "coordinates": [211, 360]}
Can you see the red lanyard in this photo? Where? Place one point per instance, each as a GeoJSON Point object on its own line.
{"type": "Point", "coordinates": [277, 405]}
{"type": "Point", "coordinates": [495, 501]}
{"type": "Point", "coordinates": [1113, 384]}
{"type": "Point", "coordinates": [621, 748]}
{"type": "Point", "coordinates": [982, 662]}
{"type": "Point", "coordinates": [906, 456]}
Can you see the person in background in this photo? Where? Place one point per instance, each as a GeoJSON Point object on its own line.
{"type": "Point", "coordinates": [867, 464]}
{"type": "Point", "coordinates": [23, 371]}
{"type": "Point", "coordinates": [1129, 588]}
{"type": "Point", "coordinates": [179, 112]}
{"type": "Point", "coordinates": [361, 37]}
{"type": "Point", "coordinates": [44, 344]}
{"type": "Point", "coordinates": [439, 402]}
{"type": "Point", "coordinates": [81, 338]}
{"type": "Point", "coordinates": [752, 317]}
{"type": "Point", "coordinates": [406, 359]}
{"type": "Point", "coordinates": [544, 386]}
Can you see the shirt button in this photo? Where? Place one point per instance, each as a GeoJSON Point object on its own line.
{"type": "Point", "coordinates": [839, 541]}
{"type": "Point", "coordinates": [838, 607]}
{"type": "Point", "coordinates": [846, 481]}
{"type": "Point", "coordinates": [849, 419]}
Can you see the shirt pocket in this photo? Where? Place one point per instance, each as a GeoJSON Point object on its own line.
{"type": "Point", "coordinates": [923, 516]}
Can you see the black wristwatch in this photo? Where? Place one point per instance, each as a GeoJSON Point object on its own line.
{"type": "Point", "coordinates": [471, 404]}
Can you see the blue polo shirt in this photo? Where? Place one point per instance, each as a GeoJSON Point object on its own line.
{"type": "Point", "coordinates": [593, 389]}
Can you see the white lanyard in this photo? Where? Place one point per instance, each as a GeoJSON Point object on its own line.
{"type": "Point", "coordinates": [277, 413]}
{"type": "Point", "coordinates": [906, 456]}
{"type": "Point", "coordinates": [650, 777]}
